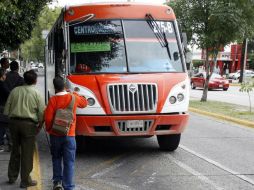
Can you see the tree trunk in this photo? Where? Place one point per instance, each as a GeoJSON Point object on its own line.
{"type": "Point", "coordinates": [208, 73]}
{"type": "Point", "coordinates": [207, 68]}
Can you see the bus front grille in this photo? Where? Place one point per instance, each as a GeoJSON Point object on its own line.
{"type": "Point", "coordinates": [133, 98]}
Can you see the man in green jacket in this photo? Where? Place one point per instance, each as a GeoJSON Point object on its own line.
{"type": "Point", "coordinates": [25, 109]}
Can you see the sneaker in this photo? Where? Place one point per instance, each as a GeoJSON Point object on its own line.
{"type": "Point", "coordinates": [58, 186]}
{"type": "Point", "coordinates": [1, 148]}
{"type": "Point", "coordinates": [29, 184]}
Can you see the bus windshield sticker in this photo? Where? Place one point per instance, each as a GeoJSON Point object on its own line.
{"type": "Point", "coordinates": [90, 47]}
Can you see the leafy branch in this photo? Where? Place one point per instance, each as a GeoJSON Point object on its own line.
{"type": "Point", "coordinates": [247, 87]}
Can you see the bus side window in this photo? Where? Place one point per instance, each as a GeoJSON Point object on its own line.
{"type": "Point", "coordinates": [59, 49]}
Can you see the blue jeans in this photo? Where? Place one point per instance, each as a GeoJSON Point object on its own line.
{"type": "Point", "coordinates": [63, 150]}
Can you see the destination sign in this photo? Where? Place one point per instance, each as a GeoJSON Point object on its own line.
{"type": "Point", "coordinates": [94, 29]}
{"type": "Point", "coordinates": [90, 47]}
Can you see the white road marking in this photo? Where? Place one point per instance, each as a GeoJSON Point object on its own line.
{"type": "Point", "coordinates": [195, 173]}
{"type": "Point", "coordinates": [237, 174]}
{"type": "Point", "coordinates": [106, 170]}
{"type": "Point", "coordinates": [151, 179]}
{"type": "Point", "coordinates": [79, 187]}
{"type": "Point", "coordinates": [109, 169]}
{"type": "Point", "coordinates": [119, 186]}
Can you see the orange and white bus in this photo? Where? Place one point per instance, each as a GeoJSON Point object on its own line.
{"type": "Point", "coordinates": [128, 60]}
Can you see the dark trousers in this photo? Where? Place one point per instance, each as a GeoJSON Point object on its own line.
{"type": "Point", "coordinates": [23, 136]}
{"type": "Point", "coordinates": [63, 151]}
{"type": "Point", "coordinates": [3, 126]}
{"type": "Point", "coordinates": [2, 133]}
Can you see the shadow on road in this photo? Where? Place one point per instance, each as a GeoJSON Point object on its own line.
{"type": "Point", "coordinates": [113, 146]}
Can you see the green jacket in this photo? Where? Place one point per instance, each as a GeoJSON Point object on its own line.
{"type": "Point", "coordinates": [25, 102]}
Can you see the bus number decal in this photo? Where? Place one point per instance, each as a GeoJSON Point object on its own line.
{"type": "Point", "coordinates": [164, 27]}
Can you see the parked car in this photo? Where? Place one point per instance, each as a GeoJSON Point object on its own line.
{"type": "Point", "coordinates": [33, 66]}
{"type": "Point", "coordinates": [236, 75]}
{"type": "Point", "coordinates": [216, 81]}
{"type": "Point", "coordinates": [233, 75]}
{"type": "Point", "coordinates": [40, 68]}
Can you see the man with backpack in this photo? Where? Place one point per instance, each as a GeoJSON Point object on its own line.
{"type": "Point", "coordinates": [61, 125]}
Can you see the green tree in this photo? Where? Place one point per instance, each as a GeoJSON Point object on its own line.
{"type": "Point", "coordinates": [17, 18]}
{"type": "Point", "coordinates": [247, 87]}
{"type": "Point", "coordinates": [33, 49]}
{"type": "Point", "coordinates": [212, 24]}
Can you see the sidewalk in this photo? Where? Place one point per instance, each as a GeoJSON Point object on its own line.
{"type": "Point", "coordinates": [4, 161]}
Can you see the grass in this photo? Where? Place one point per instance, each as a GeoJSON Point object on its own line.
{"type": "Point", "coordinates": [231, 110]}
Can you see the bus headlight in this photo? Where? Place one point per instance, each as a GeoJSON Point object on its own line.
{"type": "Point", "coordinates": [172, 99]}
{"type": "Point", "coordinates": [180, 97]}
{"type": "Point", "coordinates": [90, 101]}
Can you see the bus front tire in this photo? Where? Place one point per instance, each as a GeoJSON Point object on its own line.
{"type": "Point", "coordinates": [169, 142]}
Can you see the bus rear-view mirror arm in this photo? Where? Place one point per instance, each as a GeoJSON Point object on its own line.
{"type": "Point", "coordinates": [82, 19]}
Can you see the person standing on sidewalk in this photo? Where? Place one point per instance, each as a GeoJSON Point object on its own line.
{"type": "Point", "coordinates": [4, 93]}
{"type": "Point", "coordinates": [25, 109]}
{"type": "Point", "coordinates": [63, 148]}
{"type": "Point", "coordinates": [13, 79]}
{"type": "Point", "coordinates": [4, 63]}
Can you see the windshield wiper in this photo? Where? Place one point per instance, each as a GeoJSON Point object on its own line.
{"type": "Point", "coordinates": [81, 19]}
{"type": "Point", "coordinates": [160, 35]}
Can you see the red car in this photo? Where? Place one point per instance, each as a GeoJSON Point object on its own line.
{"type": "Point", "coordinates": [216, 81]}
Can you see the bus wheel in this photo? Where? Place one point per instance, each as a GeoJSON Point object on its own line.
{"type": "Point", "coordinates": [82, 143]}
{"type": "Point", "coordinates": [169, 142]}
{"type": "Point", "coordinates": [193, 86]}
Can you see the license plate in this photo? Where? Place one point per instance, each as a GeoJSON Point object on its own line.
{"type": "Point", "coordinates": [135, 124]}
{"type": "Point", "coordinates": [220, 85]}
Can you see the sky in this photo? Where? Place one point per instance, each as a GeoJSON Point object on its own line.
{"type": "Point", "coordinates": [74, 2]}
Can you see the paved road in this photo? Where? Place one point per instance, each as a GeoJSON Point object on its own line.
{"type": "Point", "coordinates": [217, 156]}
{"type": "Point", "coordinates": [212, 155]}
{"type": "Point", "coordinates": [231, 96]}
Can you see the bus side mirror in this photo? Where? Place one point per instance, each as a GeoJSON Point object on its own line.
{"type": "Point", "coordinates": [176, 56]}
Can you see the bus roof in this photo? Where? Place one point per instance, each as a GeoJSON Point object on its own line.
{"type": "Point", "coordinates": [119, 11]}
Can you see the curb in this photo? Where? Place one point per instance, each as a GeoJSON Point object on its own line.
{"type": "Point", "coordinates": [36, 173]}
{"type": "Point", "coordinates": [234, 84]}
{"type": "Point", "coordinates": [223, 117]}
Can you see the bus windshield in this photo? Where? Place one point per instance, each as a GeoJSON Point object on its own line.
{"type": "Point", "coordinates": [104, 47]}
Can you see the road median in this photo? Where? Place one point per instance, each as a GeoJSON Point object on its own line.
{"type": "Point", "coordinates": [224, 111]}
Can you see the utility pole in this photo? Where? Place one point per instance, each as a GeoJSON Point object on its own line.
{"type": "Point", "coordinates": [243, 60]}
